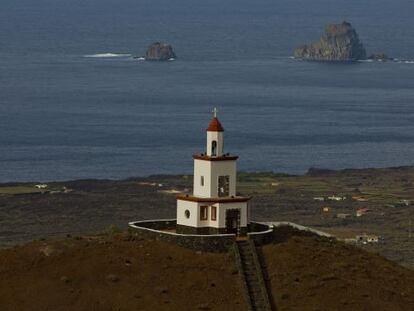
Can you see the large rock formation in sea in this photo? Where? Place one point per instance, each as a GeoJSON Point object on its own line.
{"type": "Point", "coordinates": [160, 51]}
{"type": "Point", "coordinates": [339, 43]}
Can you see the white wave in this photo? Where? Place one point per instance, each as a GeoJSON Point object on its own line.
{"type": "Point", "coordinates": [103, 55]}
{"type": "Point", "coordinates": [403, 61]}
{"type": "Point", "coordinates": [171, 59]}
{"type": "Point", "coordinates": [366, 60]}
{"type": "Point", "coordinates": [395, 60]}
{"type": "Point", "coordinates": [140, 58]}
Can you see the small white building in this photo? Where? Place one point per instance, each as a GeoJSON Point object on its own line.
{"type": "Point", "coordinates": [41, 186]}
{"type": "Point", "coordinates": [214, 206]}
{"type": "Point", "coordinates": [336, 198]}
{"type": "Point", "coordinates": [367, 238]}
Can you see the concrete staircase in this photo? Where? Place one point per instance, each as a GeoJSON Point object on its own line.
{"type": "Point", "coordinates": [252, 276]}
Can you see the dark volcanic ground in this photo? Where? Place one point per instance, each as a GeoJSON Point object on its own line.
{"type": "Point", "coordinates": [101, 205]}
{"type": "Point", "coordinates": [124, 272]}
{"type": "Point", "coordinates": [92, 206]}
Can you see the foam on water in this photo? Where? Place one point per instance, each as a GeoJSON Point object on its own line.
{"type": "Point", "coordinates": [395, 60]}
{"type": "Point", "coordinates": [403, 61]}
{"type": "Point", "coordinates": [107, 55]}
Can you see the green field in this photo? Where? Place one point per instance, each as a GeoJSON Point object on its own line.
{"type": "Point", "coordinates": [20, 190]}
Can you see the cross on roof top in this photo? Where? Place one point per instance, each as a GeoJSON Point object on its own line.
{"type": "Point", "coordinates": [215, 112]}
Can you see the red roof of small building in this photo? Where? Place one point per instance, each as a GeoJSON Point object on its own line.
{"type": "Point", "coordinates": [215, 126]}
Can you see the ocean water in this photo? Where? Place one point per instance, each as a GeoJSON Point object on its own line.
{"type": "Point", "coordinates": [75, 104]}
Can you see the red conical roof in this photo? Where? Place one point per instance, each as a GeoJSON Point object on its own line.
{"type": "Point", "coordinates": [215, 126]}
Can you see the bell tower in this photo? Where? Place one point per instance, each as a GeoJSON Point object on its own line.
{"type": "Point", "coordinates": [215, 142]}
{"type": "Point", "coordinates": [214, 206]}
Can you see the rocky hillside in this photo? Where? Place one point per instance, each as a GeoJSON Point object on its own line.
{"type": "Point", "coordinates": [122, 272]}
{"type": "Point", "coordinates": [116, 273]}
{"type": "Point", "coordinates": [306, 272]}
{"type": "Point", "coordinates": [339, 43]}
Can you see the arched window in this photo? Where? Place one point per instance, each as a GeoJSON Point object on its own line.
{"type": "Point", "coordinates": [214, 148]}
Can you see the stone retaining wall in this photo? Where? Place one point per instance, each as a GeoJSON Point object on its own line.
{"type": "Point", "coordinates": [218, 243]}
{"type": "Point", "coordinates": [260, 233]}
{"type": "Point", "coordinates": [299, 227]}
{"type": "Point", "coordinates": [156, 229]}
{"type": "Point", "coordinates": [157, 224]}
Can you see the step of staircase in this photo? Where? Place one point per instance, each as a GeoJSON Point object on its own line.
{"type": "Point", "coordinates": [252, 275]}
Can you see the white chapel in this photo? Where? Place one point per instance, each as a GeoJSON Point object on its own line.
{"type": "Point", "coordinates": [214, 207]}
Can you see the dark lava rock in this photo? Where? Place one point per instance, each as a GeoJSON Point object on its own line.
{"type": "Point", "coordinates": [314, 171]}
{"type": "Point", "coordinates": [65, 279]}
{"type": "Point", "coordinates": [160, 52]}
{"type": "Point", "coordinates": [339, 43]}
{"type": "Point", "coordinates": [112, 278]}
{"type": "Point", "coordinates": [203, 306]}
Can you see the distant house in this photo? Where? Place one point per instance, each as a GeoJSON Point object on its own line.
{"type": "Point", "coordinates": [361, 211]}
{"type": "Point", "coordinates": [41, 186]}
{"type": "Point", "coordinates": [405, 202]}
{"type": "Point", "coordinates": [343, 215]}
{"type": "Point", "coordinates": [336, 198]}
{"type": "Point", "coordinates": [401, 203]}
{"type": "Point", "coordinates": [152, 184]}
{"type": "Point", "coordinates": [359, 199]}
{"type": "Point", "coordinates": [144, 183]}
{"type": "Point", "coordinates": [170, 191]}
{"type": "Point", "coordinates": [66, 190]}
{"type": "Point", "coordinates": [326, 209]}
{"type": "Point", "coordinates": [367, 238]}
{"type": "Point", "coordinates": [319, 199]}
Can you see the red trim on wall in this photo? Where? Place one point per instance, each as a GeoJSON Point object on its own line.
{"type": "Point", "coordinates": [212, 200]}
{"type": "Point", "coordinates": [208, 158]}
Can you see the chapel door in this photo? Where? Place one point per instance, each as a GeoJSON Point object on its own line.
{"type": "Point", "coordinates": [233, 221]}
